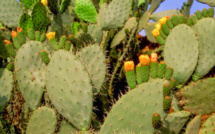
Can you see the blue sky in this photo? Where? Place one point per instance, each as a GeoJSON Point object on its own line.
{"type": "Point", "coordinates": [177, 4]}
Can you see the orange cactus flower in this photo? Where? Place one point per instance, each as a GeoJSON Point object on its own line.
{"type": "Point", "coordinates": [13, 33]}
{"type": "Point", "coordinates": [129, 66]}
{"type": "Point", "coordinates": [50, 35]}
{"type": "Point", "coordinates": [158, 26]}
{"type": "Point", "coordinates": [144, 60]}
{"type": "Point", "coordinates": [155, 33]}
{"type": "Point", "coordinates": [19, 29]}
{"type": "Point", "coordinates": [7, 42]}
{"type": "Point", "coordinates": [163, 20]}
{"type": "Point", "coordinates": [44, 2]}
{"type": "Point", "coordinates": [154, 57]}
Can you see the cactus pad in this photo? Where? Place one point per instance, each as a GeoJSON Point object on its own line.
{"type": "Point", "coordinates": [194, 125]}
{"type": "Point", "coordinates": [69, 88]}
{"type": "Point", "coordinates": [208, 126]}
{"type": "Point", "coordinates": [42, 121]}
{"type": "Point", "coordinates": [30, 72]}
{"type": "Point", "coordinates": [175, 122]}
{"type": "Point", "coordinates": [94, 60]}
{"type": "Point", "coordinates": [86, 10]}
{"type": "Point", "coordinates": [6, 87]}
{"type": "Point", "coordinates": [181, 52]}
{"type": "Point", "coordinates": [39, 17]}
{"type": "Point", "coordinates": [10, 13]}
{"type": "Point", "coordinates": [133, 112]}
{"type": "Point", "coordinates": [198, 97]}
{"type": "Point", "coordinates": [205, 29]}
{"type": "Point", "coordinates": [116, 13]}
{"type": "Point", "coordinates": [96, 32]}
{"type": "Point", "coordinates": [121, 35]}
{"type": "Point", "coordinates": [66, 128]}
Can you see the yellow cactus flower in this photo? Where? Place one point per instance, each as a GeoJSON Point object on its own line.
{"type": "Point", "coordinates": [50, 35]}
{"type": "Point", "coordinates": [155, 33]}
{"type": "Point", "coordinates": [154, 57]}
{"type": "Point", "coordinates": [7, 42]}
{"type": "Point", "coordinates": [19, 29]}
{"type": "Point", "coordinates": [163, 20]}
{"type": "Point", "coordinates": [13, 33]}
{"type": "Point", "coordinates": [44, 2]}
{"type": "Point", "coordinates": [144, 60]}
{"type": "Point", "coordinates": [158, 26]}
{"type": "Point", "coordinates": [129, 66]}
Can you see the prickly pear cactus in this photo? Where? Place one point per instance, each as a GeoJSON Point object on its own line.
{"type": "Point", "coordinates": [194, 125]}
{"type": "Point", "coordinates": [69, 88]}
{"type": "Point", "coordinates": [208, 126]}
{"type": "Point", "coordinates": [6, 87]}
{"type": "Point", "coordinates": [133, 111]}
{"type": "Point", "coordinates": [116, 13]}
{"type": "Point", "coordinates": [204, 28]}
{"type": "Point", "coordinates": [198, 97]}
{"type": "Point", "coordinates": [66, 128]}
{"type": "Point", "coordinates": [10, 12]}
{"type": "Point", "coordinates": [42, 121]}
{"type": "Point", "coordinates": [179, 55]}
{"type": "Point", "coordinates": [30, 72]}
{"type": "Point", "coordinates": [94, 60]}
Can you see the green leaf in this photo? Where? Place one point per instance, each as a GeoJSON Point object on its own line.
{"type": "Point", "coordinates": [86, 10]}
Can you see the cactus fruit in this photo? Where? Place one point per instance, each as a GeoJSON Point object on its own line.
{"type": "Point", "coordinates": [30, 72]}
{"type": "Point", "coordinates": [51, 37]}
{"type": "Point", "coordinates": [62, 42]}
{"type": "Point", "coordinates": [68, 45]}
{"type": "Point", "coordinates": [153, 65]}
{"type": "Point", "coordinates": [205, 13]}
{"type": "Point", "coordinates": [198, 14]}
{"type": "Point", "coordinates": [20, 35]}
{"type": "Point", "coordinates": [37, 35]}
{"type": "Point", "coordinates": [174, 19]}
{"type": "Point", "coordinates": [166, 90]}
{"type": "Point", "coordinates": [139, 74]}
{"type": "Point", "coordinates": [166, 103]}
{"type": "Point", "coordinates": [6, 87]}
{"type": "Point", "coordinates": [10, 48]}
{"type": "Point", "coordinates": [161, 69]}
{"type": "Point", "coordinates": [78, 104]}
{"type": "Point", "coordinates": [44, 56]}
{"type": "Point", "coordinates": [43, 121]}
{"type": "Point", "coordinates": [211, 12]}
{"type": "Point", "coordinates": [31, 34]}
{"type": "Point", "coordinates": [130, 75]}
{"type": "Point", "coordinates": [15, 39]}
{"type": "Point", "coordinates": [144, 61]}
{"type": "Point", "coordinates": [156, 120]}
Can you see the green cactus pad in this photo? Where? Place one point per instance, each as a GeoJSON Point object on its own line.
{"type": "Point", "coordinates": [6, 87]}
{"type": "Point", "coordinates": [86, 10]}
{"type": "Point", "coordinates": [39, 17]}
{"type": "Point", "coordinates": [66, 128]}
{"type": "Point", "coordinates": [69, 88]}
{"type": "Point", "coordinates": [194, 125]}
{"type": "Point", "coordinates": [25, 22]}
{"type": "Point", "coordinates": [208, 126]}
{"type": "Point", "coordinates": [159, 15]}
{"type": "Point", "coordinates": [116, 13]}
{"type": "Point", "coordinates": [121, 35]}
{"type": "Point", "coordinates": [133, 112]}
{"type": "Point", "coordinates": [28, 3]}
{"type": "Point", "coordinates": [93, 58]}
{"type": "Point", "coordinates": [42, 121]}
{"type": "Point", "coordinates": [180, 56]}
{"type": "Point", "coordinates": [209, 2]}
{"type": "Point", "coordinates": [30, 72]}
{"type": "Point", "coordinates": [10, 12]}
{"type": "Point", "coordinates": [11, 50]}
{"type": "Point", "coordinates": [198, 96]}
{"type": "Point", "coordinates": [175, 122]}
{"type": "Point", "coordinates": [143, 22]}
{"type": "Point", "coordinates": [96, 32]}
{"type": "Point", "coordinates": [53, 6]}
{"type": "Point", "coordinates": [204, 29]}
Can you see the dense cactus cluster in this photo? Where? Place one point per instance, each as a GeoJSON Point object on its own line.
{"type": "Point", "coordinates": [80, 67]}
